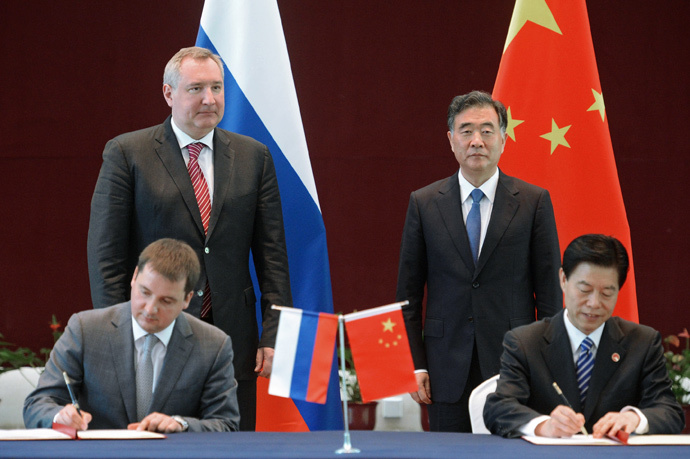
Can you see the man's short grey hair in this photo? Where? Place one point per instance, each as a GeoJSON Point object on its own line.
{"type": "Point", "coordinates": [171, 75]}
{"type": "Point", "coordinates": [477, 99]}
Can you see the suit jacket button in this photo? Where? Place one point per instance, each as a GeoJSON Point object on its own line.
{"type": "Point", "coordinates": [475, 284]}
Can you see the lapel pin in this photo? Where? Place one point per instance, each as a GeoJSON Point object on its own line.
{"type": "Point", "coordinates": [615, 357]}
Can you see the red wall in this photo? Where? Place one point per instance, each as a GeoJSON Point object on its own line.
{"type": "Point", "coordinates": [373, 80]}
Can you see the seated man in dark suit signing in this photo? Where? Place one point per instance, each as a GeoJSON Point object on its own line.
{"type": "Point", "coordinates": [143, 364]}
{"type": "Point", "coordinates": [611, 371]}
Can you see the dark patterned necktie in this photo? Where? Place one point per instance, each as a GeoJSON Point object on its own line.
{"type": "Point", "coordinates": [585, 363]}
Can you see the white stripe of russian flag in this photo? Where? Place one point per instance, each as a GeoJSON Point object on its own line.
{"type": "Point", "coordinates": [256, 66]}
{"type": "Point", "coordinates": [285, 352]}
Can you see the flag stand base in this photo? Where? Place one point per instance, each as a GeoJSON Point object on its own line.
{"type": "Point", "coordinates": [347, 445]}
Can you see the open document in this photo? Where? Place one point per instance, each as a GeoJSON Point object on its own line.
{"type": "Point", "coordinates": [631, 440]}
{"type": "Point", "coordinates": [66, 433]}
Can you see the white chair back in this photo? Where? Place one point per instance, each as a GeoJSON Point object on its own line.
{"type": "Point", "coordinates": [476, 404]}
{"type": "Point", "coordinates": [15, 385]}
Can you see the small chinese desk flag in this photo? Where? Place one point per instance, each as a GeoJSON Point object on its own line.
{"type": "Point", "coordinates": [381, 352]}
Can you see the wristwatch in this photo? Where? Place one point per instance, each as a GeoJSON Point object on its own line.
{"type": "Point", "coordinates": [180, 420]}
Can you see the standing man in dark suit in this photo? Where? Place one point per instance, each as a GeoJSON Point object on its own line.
{"type": "Point", "coordinates": [191, 384]}
{"type": "Point", "coordinates": [616, 380]}
{"type": "Point", "coordinates": [145, 191]}
{"type": "Point", "coordinates": [486, 265]}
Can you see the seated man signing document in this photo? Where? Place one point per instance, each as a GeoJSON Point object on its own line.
{"type": "Point", "coordinates": [143, 364]}
{"type": "Point", "coordinates": [612, 372]}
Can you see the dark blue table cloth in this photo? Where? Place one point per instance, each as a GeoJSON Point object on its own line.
{"type": "Point", "coordinates": [373, 444]}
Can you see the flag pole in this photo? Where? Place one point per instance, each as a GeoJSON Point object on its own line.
{"type": "Point", "coordinates": [347, 445]}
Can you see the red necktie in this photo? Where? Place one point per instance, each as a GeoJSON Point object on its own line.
{"type": "Point", "coordinates": [203, 199]}
{"type": "Point", "coordinates": [199, 183]}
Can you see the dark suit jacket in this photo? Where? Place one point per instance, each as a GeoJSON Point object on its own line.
{"type": "Point", "coordinates": [538, 354]}
{"type": "Point", "coordinates": [144, 193]}
{"type": "Point", "coordinates": [97, 351]}
{"type": "Point", "coordinates": [517, 271]}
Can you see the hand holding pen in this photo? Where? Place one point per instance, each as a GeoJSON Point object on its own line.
{"type": "Point", "coordinates": [72, 415]}
{"type": "Point", "coordinates": [68, 382]}
{"type": "Point", "coordinates": [567, 403]}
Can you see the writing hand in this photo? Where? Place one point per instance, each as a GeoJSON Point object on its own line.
{"type": "Point", "coordinates": [564, 422]}
{"type": "Point", "coordinates": [69, 416]}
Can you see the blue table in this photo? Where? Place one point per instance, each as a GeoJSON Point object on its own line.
{"type": "Point", "coordinates": [373, 444]}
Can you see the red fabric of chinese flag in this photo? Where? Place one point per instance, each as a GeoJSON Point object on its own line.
{"type": "Point", "coordinates": [381, 352]}
{"type": "Point", "coordinates": [558, 134]}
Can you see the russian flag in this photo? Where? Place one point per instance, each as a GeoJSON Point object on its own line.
{"type": "Point", "coordinates": [303, 355]}
{"type": "Point", "coordinates": [261, 102]}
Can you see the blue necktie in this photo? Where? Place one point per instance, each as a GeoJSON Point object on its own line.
{"type": "Point", "coordinates": [585, 363]}
{"type": "Point", "coordinates": [474, 223]}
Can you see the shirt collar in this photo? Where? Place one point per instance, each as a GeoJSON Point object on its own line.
{"type": "Point", "coordinates": [183, 139]}
{"type": "Point", "coordinates": [488, 187]}
{"type": "Point", "coordinates": [163, 335]}
{"type": "Point", "coordinates": [576, 336]}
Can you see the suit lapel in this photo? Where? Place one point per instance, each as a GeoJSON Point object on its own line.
{"type": "Point", "coordinates": [122, 349]}
{"type": "Point", "coordinates": [168, 151]}
{"type": "Point", "coordinates": [604, 366]}
{"type": "Point", "coordinates": [504, 209]}
{"type": "Point", "coordinates": [559, 359]}
{"type": "Point", "coordinates": [450, 208]}
{"type": "Point", "coordinates": [223, 159]}
{"type": "Point", "coordinates": [176, 356]}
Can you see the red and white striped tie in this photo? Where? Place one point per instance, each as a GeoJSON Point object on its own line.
{"type": "Point", "coordinates": [199, 182]}
{"type": "Point", "coordinates": [203, 199]}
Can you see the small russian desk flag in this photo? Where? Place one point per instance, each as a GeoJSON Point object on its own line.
{"type": "Point", "coordinates": [304, 351]}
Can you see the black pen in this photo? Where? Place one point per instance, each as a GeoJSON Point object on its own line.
{"type": "Point", "coordinates": [75, 403]}
{"type": "Point", "coordinates": [567, 403]}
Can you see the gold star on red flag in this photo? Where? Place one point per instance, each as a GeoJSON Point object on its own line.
{"type": "Point", "coordinates": [556, 136]}
{"type": "Point", "coordinates": [392, 342]}
{"type": "Point", "coordinates": [536, 11]}
{"type": "Point", "coordinates": [387, 341]}
{"type": "Point", "coordinates": [512, 124]}
{"type": "Point", "coordinates": [598, 104]}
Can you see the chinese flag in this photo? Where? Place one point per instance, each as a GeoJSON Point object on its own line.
{"type": "Point", "coordinates": [558, 134]}
{"type": "Point", "coordinates": [381, 352]}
